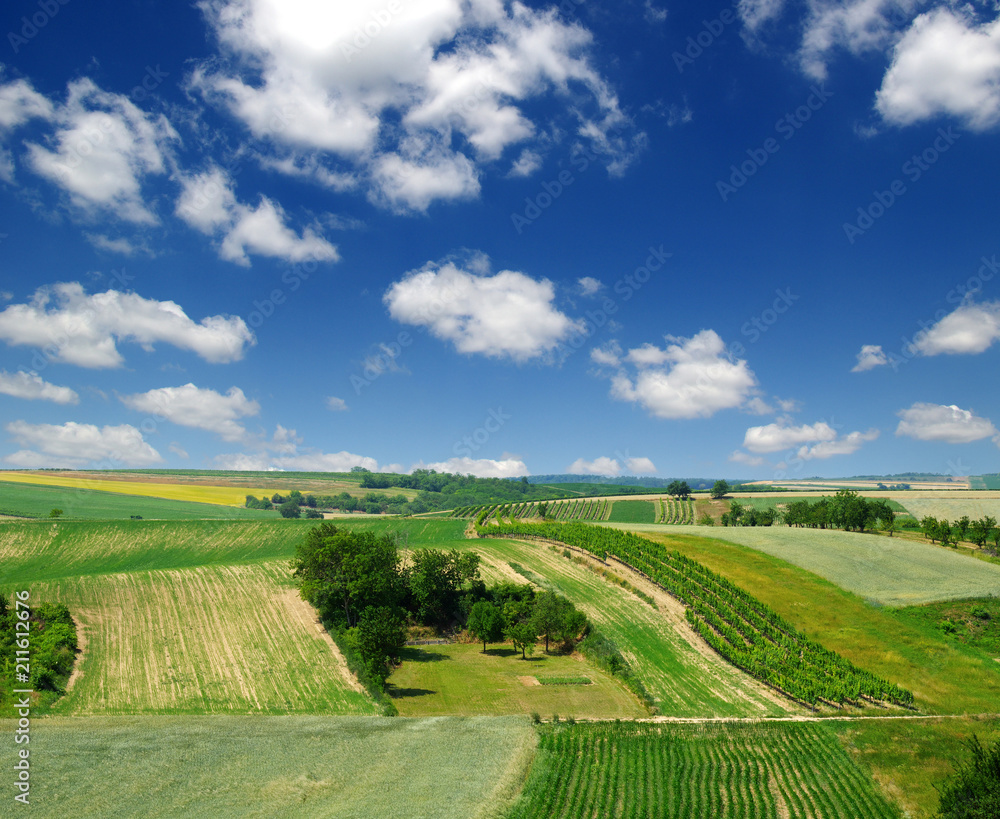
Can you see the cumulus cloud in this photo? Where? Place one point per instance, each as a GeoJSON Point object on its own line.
{"type": "Point", "coordinates": [945, 63]}
{"type": "Point", "coordinates": [76, 445]}
{"type": "Point", "coordinates": [336, 404]}
{"type": "Point", "coordinates": [506, 315]}
{"type": "Point", "coordinates": [950, 424]}
{"type": "Point", "coordinates": [102, 149]}
{"type": "Point", "coordinates": [970, 328]}
{"type": "Point", "coordinates": [871, 356]}
{"type": "Point", "coordinates": [507, 467]}
{"type": "Point", "coordinates": [589, 285]}
{"type": "Point", "coordinates": [208, 204]}
{"type": "Point", "coordinates": [412, 99]}
{"type": "Point", "coordinates": [599, 466]}
{"type": "Point", "coordinates": [689, 378]}
{"type": "Point", "coordinates": [847, 445]}
{"type": "Point", "coordinates": [75, 328]}
{"type": "Point", "coordinates": [33, 387]}
{"type": "Point", "coordinates": [741, 457]}
{"type": "Point", "coordinates": [20, 102]}
{"type": "Point", "coordinates": [781, 435]}
{"type": "Point", "coordinates": [192, 406]}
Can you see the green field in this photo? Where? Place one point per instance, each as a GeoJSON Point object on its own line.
{"type": "Point", "coordinates": [220, 767]}
{"type": "Point", "coordinates": [696, 771]}
{"type": "Point", "coordinates": [683, 681]}
{"type": "Point", "coordinates": [633, 511]}
{"type": "Point", "coordinates": [459, 679]}
{"type": "Point", "coordinates": [952, 508]}
{"type": "Point", "coordinates": [35, 501]}
{"type": "Point", "coordinates": [889, 571]}
{"type": "Point", "coordinates": [945, 676]}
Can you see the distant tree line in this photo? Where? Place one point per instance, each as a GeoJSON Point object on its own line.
{"type": "Point", "coordinates": [979, 531]}
{"type": "Point", "coordinates": [846, 510]}
{"type": "Point", "coordinates": [368, 596]}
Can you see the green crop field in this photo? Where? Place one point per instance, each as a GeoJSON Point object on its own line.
{"type": "Point", "coordinates": [459, 679]}
{"type": "Point", "coordinates": [684, 681]}
{"type": "Point", "coordinates": [890, 571]}
{"type": "Point", "coordinates": [36, 501]}
{"type": "Point", "coordinates": [633, 511]}
{"type": "Point", "coordinates": [952, 508]}
{"type": "Point", "coordinates": [945, 676]}
{"type": "Point", "coordinates": [239, 767]}
{"type": "Point", "coordinates": [697, 771]}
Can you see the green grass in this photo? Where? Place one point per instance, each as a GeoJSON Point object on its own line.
{"type": "Point", "coordinates": [242, 767]}
{"type": "Point", "coordinates": [682, 681]}
{"type": "Point", "coordinates": [945, 676]}
{"type": "Point", "coordinates": [633, 511]}
{"type": "Point", "coordinates": [972, 623]}
{"type": "Point", "coordinates": [908, 758]}
{"type": "Point", "coordinates": [696, 771]}
{"type": "Point", "coordinates": [460, 679]}
{"type": "Point", "coordinates": [890, 571]}
{"type": "Point", "coordinates": [952, 509]}
{"type": "Point", "coordinates": [36, 501]}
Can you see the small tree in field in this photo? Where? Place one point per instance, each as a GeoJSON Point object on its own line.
{"type": "Point", "coordinates": [523, 636]}
{"type": "Point", "coordinates": [719, 489]}
{"type": "Point", "coordinates": [485, 623]}
{"type": "Point", "coordinates": [55, 513]}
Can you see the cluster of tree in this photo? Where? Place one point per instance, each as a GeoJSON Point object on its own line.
{"type": "Point", "coordinates": [978, 531]}
{"type": "Point", "coordinates": [295, 504]}
{"type": "Point", "coordinates": [51, 641]}
{"type": "Point", "coordinates": [516, 613]}
{"type": "Point", "coordinates": [846, 510]}
{"type": "Point", "coordinates": [719, 489]}
{"type": "Point", "coordinates": [896, 487]}
{"type": "Point", "coordinates": [369, 596]}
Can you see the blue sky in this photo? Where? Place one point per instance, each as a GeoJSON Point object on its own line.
{"type": "Point", "coordinates": [677, 239]}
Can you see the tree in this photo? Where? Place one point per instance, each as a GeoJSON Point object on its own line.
{"type": "Point", "coordinates": [981, 529]}
{"type": "Point", "coordinates": [548, 617]}
{"type": "Point", "coordinates": [55, 513]}
{"type": "Point", "coordinates": [962, 525]}
{"type": "Point", "coordinates": [679, 489]}
{"type": "Point", "coordinates": [436, 579]}
{"type": "Point", "coordinates": [485, 623]}
{"type": "Point", "coordinates": [929, 526]}
{"type": "Point", "coordinates": [973, 790]}
{"type": "Point", "coordinates": [542, 509]}
{"type": "Point", "coordinates": [851, 511]}
{"type": "Point", "coordinates": [884, 514]}
{"type": "Point", "coordinates": [342, 572]}
{"type": "Point", "coordinates": [523, 636]}
{"type": "Point", "coordinates": [381, 633]}
{"type": "Point", "coordinates": [290, 509]}
{"type": "Point", "coordinates": [719, 489]}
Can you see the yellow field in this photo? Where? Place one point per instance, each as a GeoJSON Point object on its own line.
{"type": "Point", "coordinates": [221, 495]}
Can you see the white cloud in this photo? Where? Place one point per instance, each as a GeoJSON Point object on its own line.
{"type": "Point", "coordinates": [741, 457]}
{"type": "Point", "coordinates": [653, 14]}
{"type": "Point", "coordinates": [607, 356]}
{"type": "Point", "coordinates": [192, 406]}
{"type": "Point", "coordinates": [507, 314]}
{"type": "Point", "coordinates": [847, 445]}
{"type": "Point", "coordinates": [935, 422]}
{"type": "Point", "coordinates": [301, 462]}
{"type": "Point", "coordinates": [871, 356]}
{"type": "Point", "coordinates": [778, 436]}
{"type": "Point", "coordinates": [480, 467]}
{"type": "Point", "coordinates": [599, 466]}
{"type": "Point", "coordinates": [526, 164]}
{"type": "Point", "coordinates": [689, 378]}
{"type": "Point", "coordinates": [970, 328]}
{"type": "Point", "coordinates": [19, 102]}
{"type": "Point", "coordinates": [754, 13]}
{"type": "Point", "coordinates": [77, 445]}
{"type": "Point", "coordinates": [32, 387]}
{"type": "Point", "coordinates": [102, 150]}
{"type": "Point", "coordinates": [944, 64]}
{"type": "Point", "coordinates": [589, 285]}
{"type": "Point", "coordinates": [79, 329]}
{"type": "Point", "coordinates": [208, 204]}
{"type": "Point", "coordinates": [412, 98]}
{"type": "Point", "coordinates": [336, 404]}
{"type": "Point", "coordinates": [640, 466]}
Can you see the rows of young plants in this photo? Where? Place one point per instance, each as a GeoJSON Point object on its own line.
{"type": "Point", "coordinates": [739, 627]}
{"type": "Point", "coordinates": [676, 511]}
{"type": "Point", "coordinates": [588, 509]}
{"type": "Point", "coordinates": [632, 769]}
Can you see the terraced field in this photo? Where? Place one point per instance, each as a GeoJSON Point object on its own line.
{"type": "Point", "coordinates": [697, 771]}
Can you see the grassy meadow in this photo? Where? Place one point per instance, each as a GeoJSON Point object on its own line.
{"type": "Point", "coordinates": [303, 766]}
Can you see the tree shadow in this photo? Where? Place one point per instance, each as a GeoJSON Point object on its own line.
{"type": "Point", "coordinates": [402, 693]}
{"type": "Point", "coordinates": [501, 652]}
{"type": "Point", "coordinates": [421, 655]}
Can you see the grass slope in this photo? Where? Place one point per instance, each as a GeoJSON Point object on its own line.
{"type": "Point", "coordinates": [891, 571]}
{"type": "Point", "coordinates": [696, 771]}
{"type": "Point", "coordinates": [35, 501]}
{"type": "Point", "coordinates": [683, 681]}
{"type": "Point", "coordinates": [633, 511]}
{"type": "Point", "coordinates": [220, 767]}
{"type": "Point", "coordinates": [460, 679]}
{"type": "Point", "coordinates": [945, 676]}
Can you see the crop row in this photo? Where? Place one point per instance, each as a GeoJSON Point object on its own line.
{"type": "Point", "coordinates": [743, 772]}
{"type": "Point", "coordinates": [584, 509]}
{"type": "Point", "coordinates": [739, 627]}
{"type": "Point", "coordinates": [672, 510]}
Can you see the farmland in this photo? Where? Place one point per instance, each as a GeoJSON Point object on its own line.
{"type": "Point", "coordinates": [694, 771]}
{"type": "Point", "coordinates": [302, 766]}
